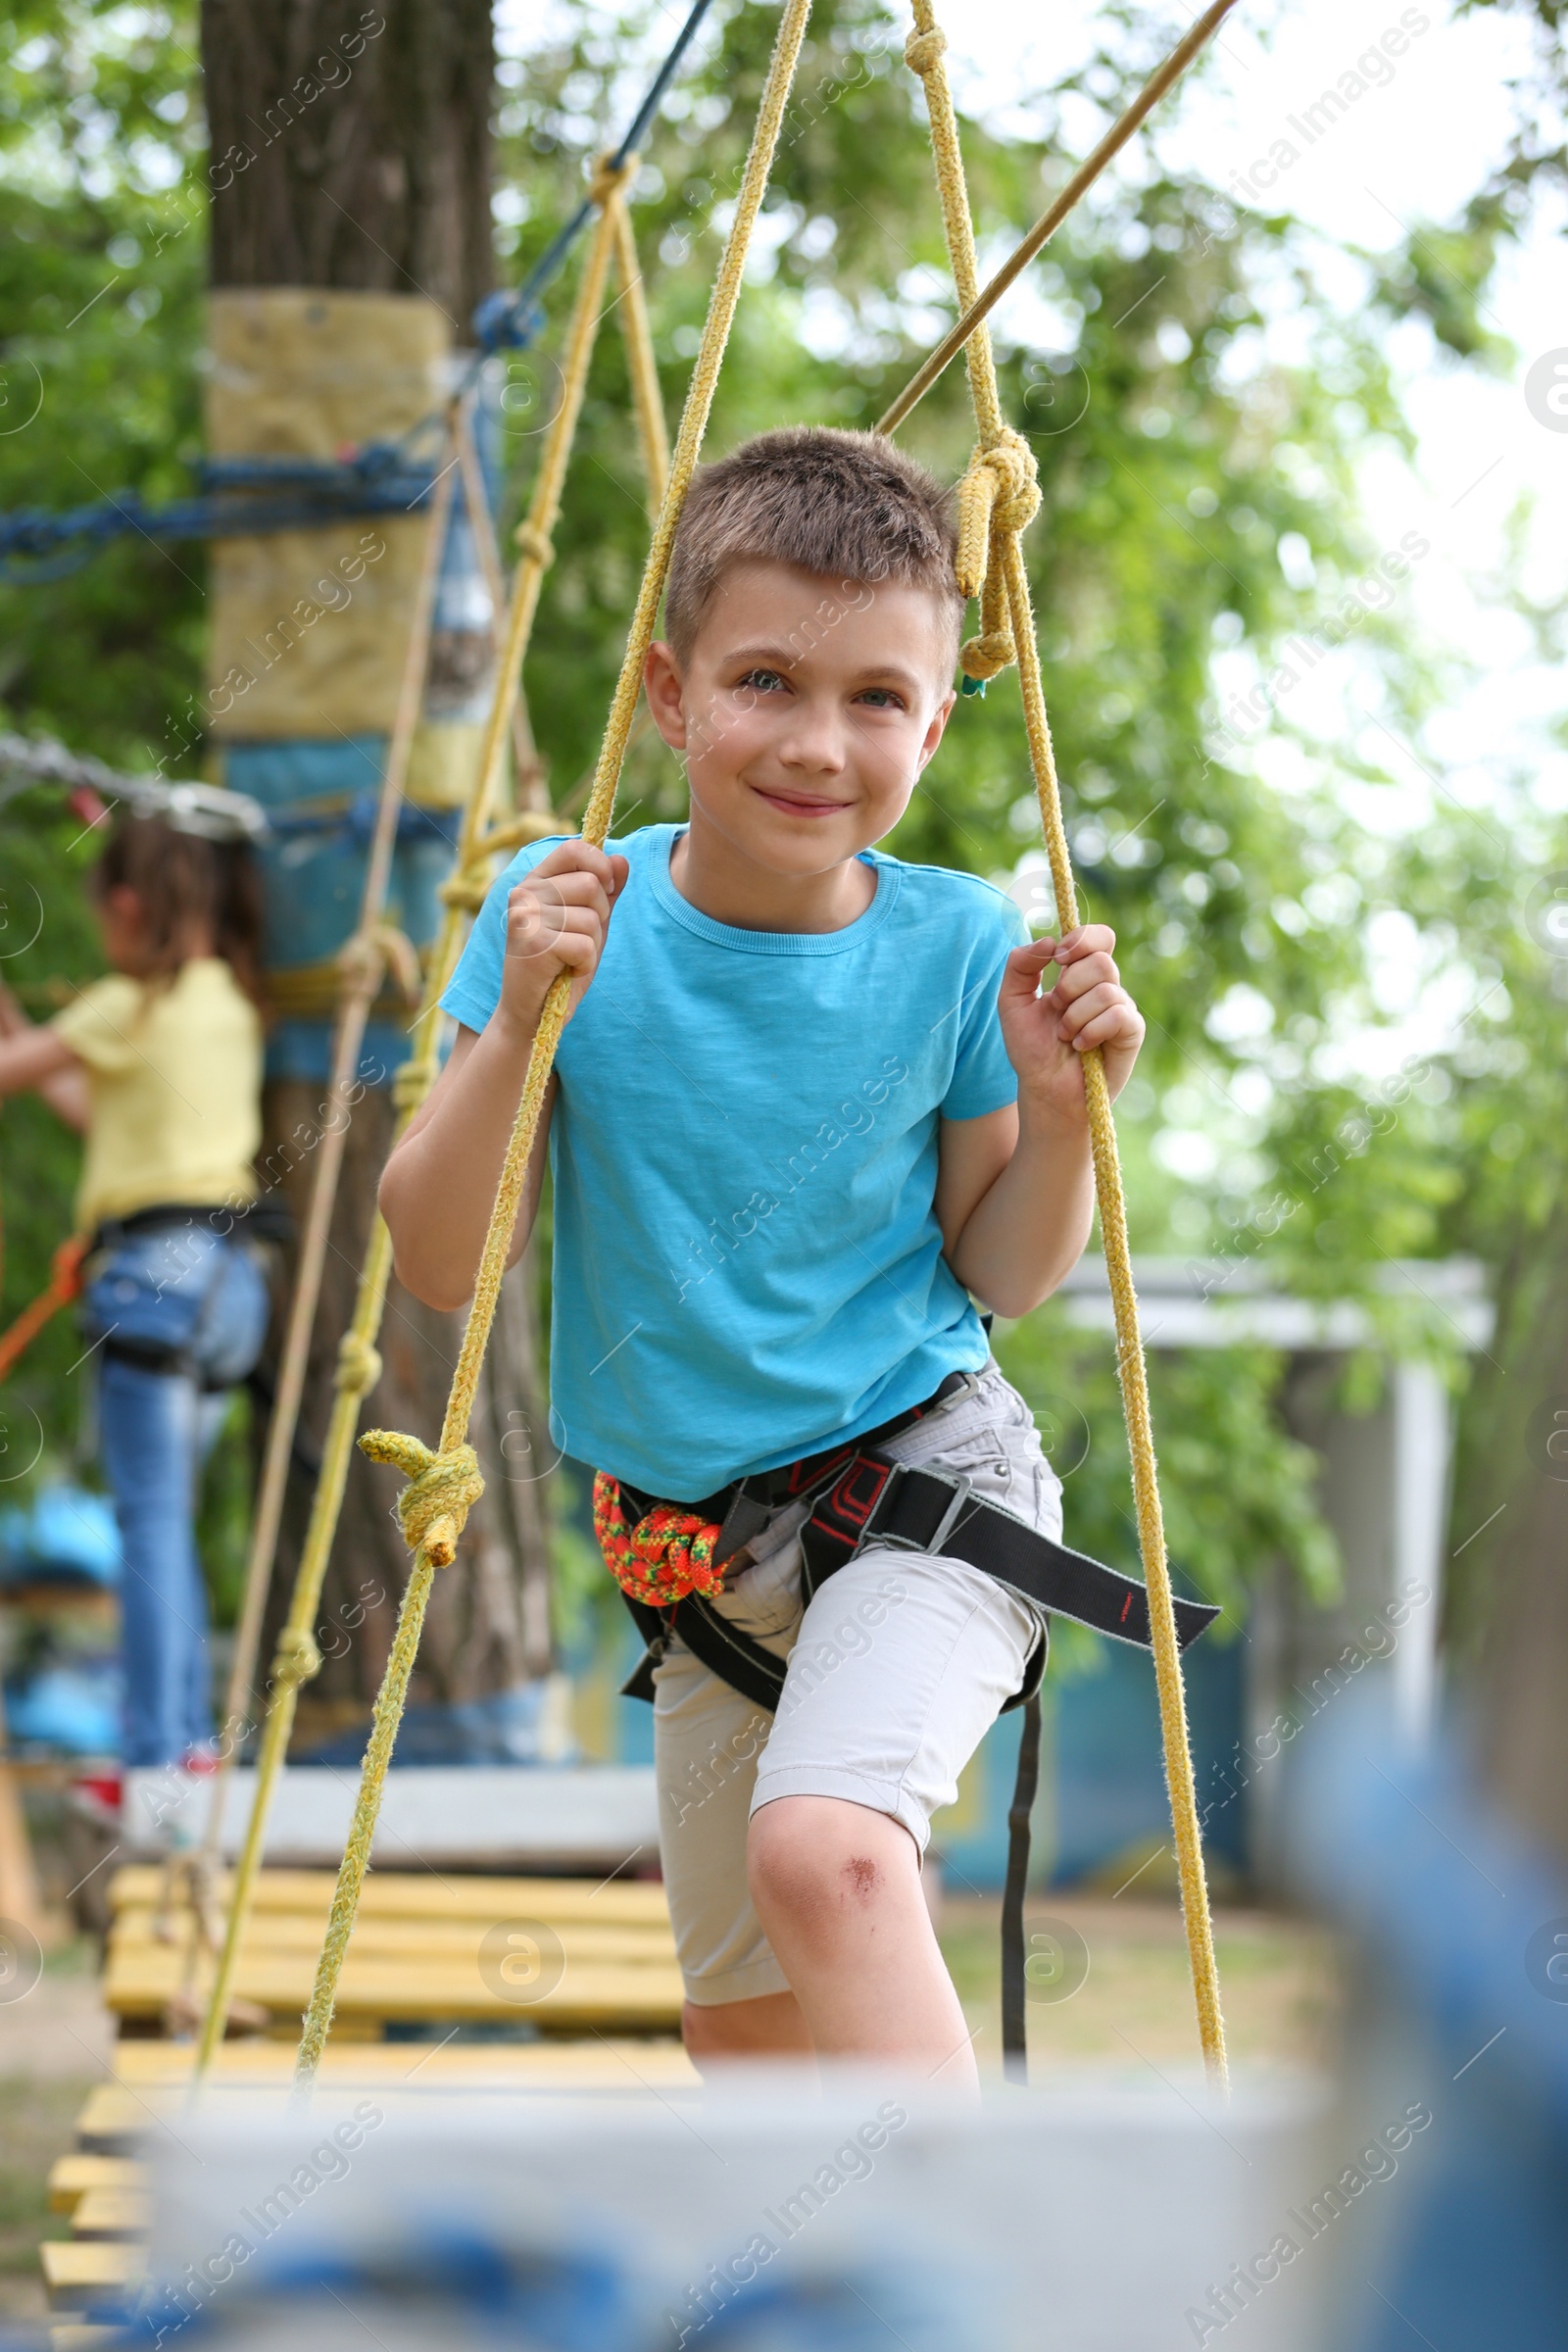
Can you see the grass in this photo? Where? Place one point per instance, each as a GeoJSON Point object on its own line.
{"type": "Point", "coordinates": [1124, 1996]}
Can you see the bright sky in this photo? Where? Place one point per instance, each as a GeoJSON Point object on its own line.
{"type": "Point", "coordinates": [1433, 119]}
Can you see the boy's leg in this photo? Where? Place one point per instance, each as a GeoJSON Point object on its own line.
{"type": "Point", "coordinates": [706, 1739]}
{"type": "Point", "coordinates": [837, 1887]}
{"type": "Point", "coordinates": [903, 1663]}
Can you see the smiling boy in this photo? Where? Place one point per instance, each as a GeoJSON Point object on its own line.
{"type": "Point", "coordinates": [810, 1108]}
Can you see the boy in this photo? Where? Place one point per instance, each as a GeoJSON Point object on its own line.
{"type": "Point", "coordinates": [808, 1102]}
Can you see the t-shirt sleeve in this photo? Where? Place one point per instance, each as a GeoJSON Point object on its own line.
{"type": "Point", "coordinates": [98, 1024]}
{"type": "Point", "coordinates": [983, 1078]}
{"type": "Point", "coordinates": [474, 989]}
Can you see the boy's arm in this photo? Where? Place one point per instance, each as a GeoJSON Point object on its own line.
{"type": "Point", "coordinates": [439, 1185]}
{"type": "Point", "coordinates": [1015, 1191]}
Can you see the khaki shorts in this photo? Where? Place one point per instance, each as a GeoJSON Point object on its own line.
{"type": "Point", "coordinates": [895, 1672]}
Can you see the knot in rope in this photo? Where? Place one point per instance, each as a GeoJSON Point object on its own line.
{"type": "Point", "coordinates": [412, 1083]}
{"type": "Point", "coordinates": [359, 1364]}
{"type": "Point", "coordinates": [442, 1489]}
{"type": "Point", "coordinates": [362, 958]}
{"type": "Point", "coordinates": [296, 1659]}
{"type": "Point", "coordinates": [511, 832]}
{"type": "Point", "coordinates": [998, 498]}
{"type": "Point", "coordinates": [666, 1555]}
{"type": "Point", "coordinates": [535, 546]}
{"type": "Point", "coordinates": [924, 51]}
{"type": "Point", "coordinates": [468, 888]}
{"type": "Point", "coordinates": [610, 177]}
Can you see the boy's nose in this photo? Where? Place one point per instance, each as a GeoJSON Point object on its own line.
{"type": "Point", "coordinates": [814, 741]}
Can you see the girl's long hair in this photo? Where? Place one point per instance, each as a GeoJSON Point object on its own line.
{"type": "Point", "coordinates": [187, 886]}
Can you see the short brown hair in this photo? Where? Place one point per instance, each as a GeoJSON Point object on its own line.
{"type": "Point", "coordinates": [848, 505]}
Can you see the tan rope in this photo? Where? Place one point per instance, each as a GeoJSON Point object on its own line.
{"type": "Point", "coordinates": [527, 771]}
{"type": "Point", "coordinates": [981, 305]}
{"type": "Point", "coordinates": [445, 1472]}
{"type": "Point", "coordinates": [363, 959]}
{"type": "Point", "coordinates": [641, 365]}
{"type": "Point", "coordinates": [997, 499]}
{"type": "Point", "coordinates": [359, 1365]}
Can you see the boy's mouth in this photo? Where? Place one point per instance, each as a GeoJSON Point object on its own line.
{"type": "Point", "coordinates": [800, 804]}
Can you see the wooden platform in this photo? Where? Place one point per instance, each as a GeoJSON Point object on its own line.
{"type": "Point", "coordinates": [596, 1962]}
{"type": "Point", "coordinates": [557, 1955]}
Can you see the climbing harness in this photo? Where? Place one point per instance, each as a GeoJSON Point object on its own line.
{"type": "Point", "coordinates": [998, 496]}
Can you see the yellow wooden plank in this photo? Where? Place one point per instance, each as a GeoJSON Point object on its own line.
{"type": "Point", "coordinates": [395, 1895]}
{"type": "Point", "coordinates": [70, 2177]}
{"type": "Point", "coordinates": [112, 2213]}
{"type": "Point", "coordinates": [152, 2069]}
{"type": "Point", "coordinates": [74, 2269]}
{"type": "Point", "coordinates": [136, 1931]}
{"type": "Point", "coordinates": [111, 2120]}
{"type": "Point", "coordinates": [588, 1994]}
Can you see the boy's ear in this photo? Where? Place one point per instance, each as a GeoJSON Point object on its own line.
{"type": "Point", "coordinates": [662, 685]}
{"type": "Point", "coordinates": [939, 721]}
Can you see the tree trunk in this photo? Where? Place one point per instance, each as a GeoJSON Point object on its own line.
{"type": "Point", "coordinates": [350, 152]}
{"type": "Point", "coordinates": [351, 146]}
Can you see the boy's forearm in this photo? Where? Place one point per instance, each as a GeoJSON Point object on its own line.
{"type": "Point", "coordinates": [439, 1185]}
{"type": "Point", "coordinates": [1026, 1234]}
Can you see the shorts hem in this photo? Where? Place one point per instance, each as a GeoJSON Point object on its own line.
{"type": "Point", "coordinates": [748, 1982]}
{"type": "Point", "coordinates": [852, 1787]}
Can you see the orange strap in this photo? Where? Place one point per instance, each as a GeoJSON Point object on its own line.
{"type": "Point", "coordinates": [65, 1284]}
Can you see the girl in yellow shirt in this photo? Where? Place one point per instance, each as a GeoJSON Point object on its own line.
{"type": "Point", "coordinates": [160, 1064]}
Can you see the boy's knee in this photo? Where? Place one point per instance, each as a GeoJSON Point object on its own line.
{"type": "Point", "coordinates": [814, 1858]}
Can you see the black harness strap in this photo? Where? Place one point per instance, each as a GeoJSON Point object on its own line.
{"type": "Point", "coordinates": [870, 1498]}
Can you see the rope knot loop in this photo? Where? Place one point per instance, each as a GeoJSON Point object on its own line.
{"type": "Point", "coordinates": [296, 1659]}
{"type": "Point", "coordinates": [359, 1364]}
{"type": "Point", "coordinates": [924, 51]}
{"type": "Point", "coordinates": [468, 888]}
{"type": "Point", "coordinates": [667, 1554]}
{"type": "Point", "coordinates": [610, 178]}
{"type": "Point", "coordinates": [442, 1489]}
{"type": "Point", "coordinates": [367, 954]}
{"type": "Point", "coordinates": [535, 546]}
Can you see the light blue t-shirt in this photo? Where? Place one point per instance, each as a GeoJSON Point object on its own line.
{"type": "Point", "coordinates": [748, 1265]}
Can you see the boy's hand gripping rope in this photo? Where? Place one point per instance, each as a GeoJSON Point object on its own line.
{"type": "Point", "coordinates": [359, 1368]}
{"type": "Point", "coordinates": [997, 498]}
{"type": "Point", "coordinates": [596, 825]}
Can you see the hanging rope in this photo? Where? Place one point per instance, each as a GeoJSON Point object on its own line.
{"type": "Point", "coordinates": [363, 961]}
{"type": "Point", "coordinates": [997, 498]}
{"type": "Point", "coordinates": [647, 398]}
{"type": "Point", "coordinates": [478, 844]}
{"type": "Point", "coordinates": [980, 306]}
{"type": "Point", "coordinates": [519, 1149]}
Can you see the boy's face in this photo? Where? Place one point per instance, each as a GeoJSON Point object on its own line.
{"type": "Point", "coordinates": [806, 709]}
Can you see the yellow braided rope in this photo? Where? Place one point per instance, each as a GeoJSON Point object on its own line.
{"type": "Point", "coordinates": [997, 499]}
{"type": "Point", "coordinates": [363, 959]}
{"type": "Point", "coordinates": [641, 365]}
{"type": "Point", "coordinates": [445, 1476]}
{"type": "Point", "coordinates": [359, 1365]}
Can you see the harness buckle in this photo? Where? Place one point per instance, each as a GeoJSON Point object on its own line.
{"type": "Point", "coordinates": [962, 1489]}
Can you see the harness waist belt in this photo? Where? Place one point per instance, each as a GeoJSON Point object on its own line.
{"type": "Point", "coordinates": [878, 1500]}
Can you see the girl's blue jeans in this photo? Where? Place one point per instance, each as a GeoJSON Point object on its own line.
{"type": "Point", "coordinates": [199, 1302]}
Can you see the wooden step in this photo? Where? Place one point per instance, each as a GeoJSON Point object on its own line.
{"type": "Point", "coordinates": [71, 2178]}
{"type": "Point", "coordinates": [154, 2077]}
{"type": "Point", "coordinates": [112, 2213]}
{"type": "Point", "coordinates": [272, 1932]}
{"type": "Point", "coordinates": [590, 1994]}
{"type": "Point", "coordinates": [77, 2272]}
{"type": "Point", "coordinates": [399, 1895]}
{"type": "Point", "coordinates": [79, 2335]}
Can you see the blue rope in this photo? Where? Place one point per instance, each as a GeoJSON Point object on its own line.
{"type": "Point", "coordinates": [244, 498]}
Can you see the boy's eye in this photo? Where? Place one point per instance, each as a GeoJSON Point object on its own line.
{"type": "Point", "coordinates": [762, 681]}
{"type": "Point", "coordinates": [882, 698]}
